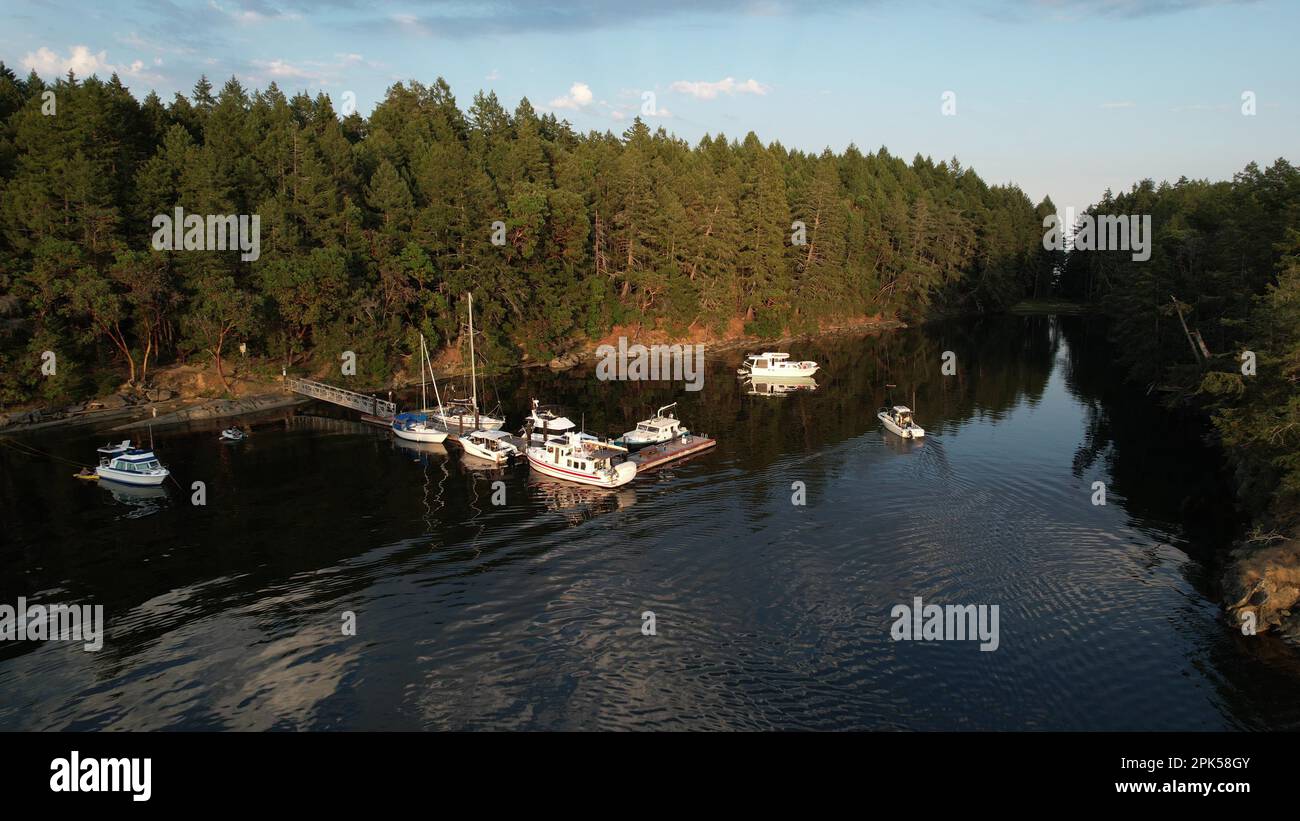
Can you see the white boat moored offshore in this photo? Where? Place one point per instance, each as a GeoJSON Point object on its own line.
{"type": "Point", "coordinates": [130, 466]}
{"type": "Point", "coordinates": [489, 445]}
{"type": "Point", "coordinates": [899, 420]}
{"type": "Point", "coordinates": [577, 459]}
{"type": "Point", "coordinates": [775, 364]}
{"type": "Point", "coordinates": [233, 435]}
{"type": "Point", "coordinates": [662, 427]}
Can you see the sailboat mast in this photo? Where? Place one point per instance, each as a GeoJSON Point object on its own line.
{"type": "Point", "coordinates": [473, 372]}
{"type": "Point", "coordinates": [424, 402]}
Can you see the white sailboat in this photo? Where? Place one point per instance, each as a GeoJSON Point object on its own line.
{"type": "Point", "coordinates": [462, 417]}
{"type": "Point", "coordinates": [420, 426]}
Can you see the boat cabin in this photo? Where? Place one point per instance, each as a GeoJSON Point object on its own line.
{"type": "Point", "coordinates": [134, 460]}
{"type": "Point", "coordinates": [902, 415]}
{"type": "Point", "coordinates": [495, 441]}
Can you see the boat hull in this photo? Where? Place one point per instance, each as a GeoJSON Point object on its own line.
{"type": "Point", "coordinates": [466, 423]}
{"type": "Point", "coordinates": [789, 372]}
{"type": "Point", "coordinates": [428, 435]}
{"type": "Point", "coordinates": [913, 432]}
{"type": "Point", "coordinates": [623, 473]}
{"type": "Point", "coordinates": [472, 449]}
{"type": "Point", "coordinates": [126, 477]}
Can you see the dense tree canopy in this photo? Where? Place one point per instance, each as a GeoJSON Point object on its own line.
{"type": "Point", "coordinates": [372, 228]}
{"type": "Point", "coordinates": [1214, 315]}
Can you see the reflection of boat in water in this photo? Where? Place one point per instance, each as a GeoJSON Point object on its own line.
{"type": "Point", "coordinates": [579, 503]}
{"type": "Point", "coordinates": [779, 386]}
{"type": "Point", "coordinates": [145, 501]}
{"type": "Point", "coordinates": [898, 419]}
{"type": "Point", "coordinates": [420, 451]}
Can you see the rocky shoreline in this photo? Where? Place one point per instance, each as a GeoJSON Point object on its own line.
{"type": "Point", "coordinates": [1261, 588]}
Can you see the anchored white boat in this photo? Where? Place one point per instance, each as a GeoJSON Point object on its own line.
{"type": "Point", "coordinates": [662, 427]}
{"type": "Point", "coordinates": [775, 364]}
{"type": "Point", "coordinates": [233, 435]}
{"type": "Point", "coordinates": [489, 445]}
{"type": "Point", "coordinates": [462, 417]}
{"type": "Point", "coordinates": [130, 466]}
{"type": "Point", "coordinates": [419, 426]}
{"type": "Point", "coordinates": [583, 460]}
{"type": "Point", "coordinates": [899, 420]}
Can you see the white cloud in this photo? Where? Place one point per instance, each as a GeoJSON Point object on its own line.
{"type": "Point", "coordinates": [249, 16]}
{"type": "Point", "coordinates": [493, 75]}
{"type": "Point", "coordinates": [83, 62]}
{"type": "Point", "coordinates": [1120, 104]}
{"type": "Point", "coordinates": [704, 90]}
{"type": "Point", "coordinates": [579, 96]}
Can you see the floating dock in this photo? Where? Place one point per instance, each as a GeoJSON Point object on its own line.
{"type": "Point", "coordinates": [657, 456]}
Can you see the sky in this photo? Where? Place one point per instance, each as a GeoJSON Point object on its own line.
{"type": "Point", "coordinates": [1061, 97]}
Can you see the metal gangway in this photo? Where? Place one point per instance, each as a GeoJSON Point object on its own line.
{"type": "Point", "coordinates": [340, 396]}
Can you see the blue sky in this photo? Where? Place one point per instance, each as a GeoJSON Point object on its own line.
{"type": "Point", "coordinates": [1062, 97]}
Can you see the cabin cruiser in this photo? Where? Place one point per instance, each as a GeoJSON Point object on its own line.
{"type": "Point", "coordinates": [577, 459]}
{"type": "Point", "coordinates": [662, 427]}
{"type": "Point", "coordinates": [489, 445]}
{"type": "Point", "coordinates": [767, 386]}
{"type": "Point", "coordinates": [899, 420]}
{"type": "Point", "coordinates": [775, 364]}
{"type": "Point", "coordinates": [547, 421]}
{"type": "Point", "coordinates": [130, 466]}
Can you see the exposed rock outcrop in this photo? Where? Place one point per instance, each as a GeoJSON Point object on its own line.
{"type": "Point", "coordinates": [1265, 582]}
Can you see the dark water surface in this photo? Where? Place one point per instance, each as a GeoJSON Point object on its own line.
{"type": "Point", "coordinates": [769, 615]}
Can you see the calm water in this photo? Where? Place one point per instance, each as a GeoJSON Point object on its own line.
{"type": "Point", "coordinates": [769, 615]}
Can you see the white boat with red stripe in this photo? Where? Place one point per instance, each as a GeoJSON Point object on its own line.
{"type": "Point", "coordinates": [573, 458]}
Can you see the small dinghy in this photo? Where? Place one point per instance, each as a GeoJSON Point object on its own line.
{"type": "Point", "coordinates": [233, 435]}
{"type": "Point", "coordinates": [660, 428]}
{"type": "Point", "coordinates": [899, 420]}
{"type": "Point", "coordinates": [772, 364]}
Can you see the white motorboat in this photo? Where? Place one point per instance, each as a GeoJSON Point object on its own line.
{"type": "Point", "coordinates": [420, 426]}
{"type": "Point", "coordinates": [489, 445]}
{"type": "Point", "coordinates": [776, 364]}
{"type": "Point", "coordinates": [131, 466]}
{"type": "Point", "coordinates": [546, 422]}
{"type": "Point", "coordinates": [899, 420]}
{"type": "Point", "coordinates": [662, 427]}
{"type": "Point", "coordinates": [233, 435]}
{"type": "Point", "coordinates": [576, 459]}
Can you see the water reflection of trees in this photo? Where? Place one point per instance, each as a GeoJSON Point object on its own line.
{"type": "Point", "coordinates": [1158, 460]}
